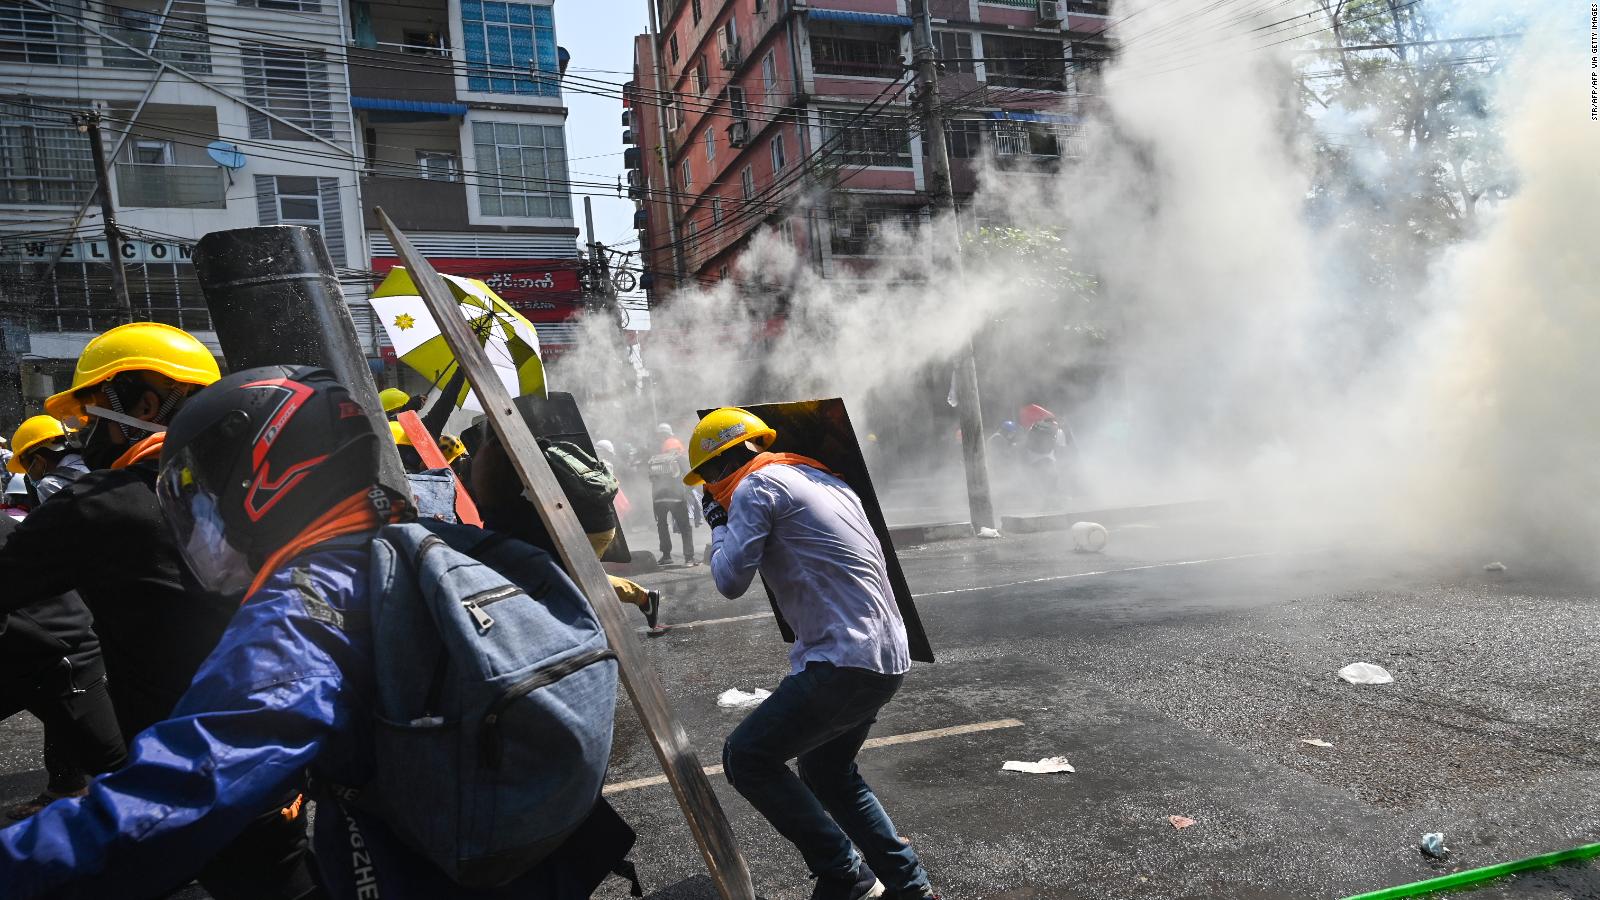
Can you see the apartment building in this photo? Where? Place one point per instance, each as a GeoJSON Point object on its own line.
{"type": "Point", "coordinates": [459, 109]}
{"type": "Point", "coordinates": [210, 121]}
{"type": "Point", "coordinates": [769, 104]}
{"type": "Point", "coordinates": [222, 114]}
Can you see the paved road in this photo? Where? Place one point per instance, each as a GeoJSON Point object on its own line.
{"type": "Point", "coordinates": [1179, 672]}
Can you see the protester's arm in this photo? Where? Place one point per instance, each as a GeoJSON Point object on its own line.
{"type": "Point", "coordinates": [236, 747]}
{"type": "Point", "coordinates": [40, 559]}
{"type": "Point", "coordinates": [737, 547]}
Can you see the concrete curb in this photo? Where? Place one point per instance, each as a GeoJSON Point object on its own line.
{"type": "Point", "coordinates": [1120, 515]}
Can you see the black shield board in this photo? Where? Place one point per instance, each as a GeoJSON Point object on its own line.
{"type": "Point", "coordinates": [821, 430]}
{"type": "Point", "coordinates": [556, 418]}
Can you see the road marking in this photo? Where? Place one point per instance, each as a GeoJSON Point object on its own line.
{"type": "Point", "coordinates": [872, 743]}
{"type": "Point", "coordinates": [1167, 565]}
{"type": "Point", "coordinates": [674, 626]}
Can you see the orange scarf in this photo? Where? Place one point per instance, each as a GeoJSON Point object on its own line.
{"type": "Point", "coordinates": [150, 446]}
{"type": "Point", "coordinates": [722, 491]}
{"type": "Point", "coordinates": [352, 515]}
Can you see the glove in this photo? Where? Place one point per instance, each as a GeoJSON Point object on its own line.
{"type": "Point", "coordinates": [715, 515]}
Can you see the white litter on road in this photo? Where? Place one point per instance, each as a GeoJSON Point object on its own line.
{"type": "Point", "coordinates": [1180, 822]}
{"type": "Point", "coordinates": [988, 533]}
{"type": "Point", "coordinates": [1495, 567]}
{"type": "Point", "coordinates": [1047, 766]}
{"type": "Point", "coordinates": [1365, 673]}
{"type": "Point", "coordinates": [733, 698]}
{"type": "Point", "coordinates": [1315, 742]}
{"type": "Point", "coordinates": [1088, 537]}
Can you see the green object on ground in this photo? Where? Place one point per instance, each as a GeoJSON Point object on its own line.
{"type": "Point", "coordinates": [1475, 876]}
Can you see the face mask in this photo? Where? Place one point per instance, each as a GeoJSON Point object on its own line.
{"type": "Point", "coordinates": [219, 567]}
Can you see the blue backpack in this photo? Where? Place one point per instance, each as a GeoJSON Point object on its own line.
{"type": "Point", "coordinates": [495, 697]}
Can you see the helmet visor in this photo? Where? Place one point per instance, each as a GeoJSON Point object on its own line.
{"type": "Point", "coordinates": [191, 510]}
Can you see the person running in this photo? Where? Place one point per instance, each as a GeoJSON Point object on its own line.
{"type": "Point", "coordinates": [104, 537]}
{"type": "Point", "coordinates": [269, 481]}
{"type": "Point", "coordinates": [805, 531]}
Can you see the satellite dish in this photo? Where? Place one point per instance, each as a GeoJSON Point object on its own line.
{"type": "Point", "coordinates": [226, 155]}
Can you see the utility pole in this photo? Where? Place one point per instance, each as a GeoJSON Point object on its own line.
{"type": "Point", "coordinates": [89, 122]}
{"type": "Point", "coordinates": [664, 150]}
{"type": "Point", "coordinates": [600, 266]}
{"type": "Point", "coordinates": [980, 503]}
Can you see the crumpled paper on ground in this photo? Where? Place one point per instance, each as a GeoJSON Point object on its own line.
{"type": "Point", "coordinates": [1365, 673]}
{"type": "Point", "coordinates": [733, 698]}
{"type": "Point", "coordinates": [1180, 822]}
{"type": "Point", "coordinates": [1047, 766]}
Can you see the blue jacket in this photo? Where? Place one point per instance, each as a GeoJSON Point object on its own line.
{"type": "Point", "coordinates": [285, 694]}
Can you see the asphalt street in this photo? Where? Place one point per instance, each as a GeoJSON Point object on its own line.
{"type": "Point", "coordinates": [1180, 671]}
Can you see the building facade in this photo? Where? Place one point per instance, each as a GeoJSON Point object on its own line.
{"type": "Point", "coordinates": [220, 114]}
{"type": "Point", "coordinates": [770, 105]}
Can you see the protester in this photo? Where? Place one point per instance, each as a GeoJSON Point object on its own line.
{"type": "Point", "coordinates": [17, 502]}
{"type": "Point", "coordinates": [805, 531]}
{"type": "Point", "coordinates": [395, 401]}
{"type": "Point", "coordinates": [50, 665]}
{"type": "Point", "coordinates": [671, 503]}
{"type": "Point", "coordinates": [499, 493]}
{"type": "Point", "coordinates": [42, 453]}
{"type": "Point", "coordinates": [103, 536]}
{"type": "Point", "coordinates": [289, 689]}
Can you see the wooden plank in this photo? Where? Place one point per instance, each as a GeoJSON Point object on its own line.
{"type": "Point", "coordinates": [700, 806]}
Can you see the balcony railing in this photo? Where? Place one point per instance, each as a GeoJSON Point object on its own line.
{"type": "Point", "coordinates": [166, 187]}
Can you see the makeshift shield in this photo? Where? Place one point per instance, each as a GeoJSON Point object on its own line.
{"type": "Point", "coordinates": [821, 430]}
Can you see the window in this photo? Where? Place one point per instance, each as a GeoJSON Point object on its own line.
{"type": "Point", "coordinates": [152, 152]}
{"type": "Point", "coordinates": [1025, 63]}
{"type": "Point", "coordinates": [786, 231]}
{"type": "Point", "coordinates": [1040, 140]}
{"type": "Point", "coordinates": [736, 104]}
{"type": "Point", "coordinates": [673, 120]}
{"type": "Point", "coordinates": [688, 235]}
{"type": "Point", "coordinates": [298, 201]}
{"type": "Point", "coordinates": [44, 159]}
{"type": "Point", "coordinates": [873, 52]}
{"type": "Point", "coordinates": [870, 141]}
{"type": "Point", "coordinates": [505, 40]}
{"type": "Point", "coordinates": [292, 85]}
{"type": "Point", "coordinates": [1089, 58]}
{"type": "Point", "coordinates": [183, 41]}
{"type": "Point", "coordinates": [32, 35]}
{"type": "Point", "coordinates": [686, 176]}
{"type": "Point", "coordinates": [858, 231]}
{"type": "Point", "coordinates": [522, 170]}
{"type": "Point", "coordinates": [747, 184]}
{"type": "Point", "coordinates": [672, 48]}
{"type": "Point", "coordinates": [778, 159]}
{"type": "Point", "coordinates": [716, 210]}
{"type": "Point", "coordinates": [1092, 7]}
{"type": "Point", "coordinates": [963, 138]}
{"type": "Point", "coordinates": [694, 8]}
{"type": "Point", "coordinates": [437, 165]}
{"type": "Point", "coordinates": [769, 74]}
{"type": "Point", "coordinates": [702, 79]}
{"type": "Point", "coordinates": [955, 50]}
{"type": "Point", "coordinates": [310, 6]}
{"type": "Point", "coordinates": [424, 43]}
{"type": "Point", "coordinates": [711, 145]}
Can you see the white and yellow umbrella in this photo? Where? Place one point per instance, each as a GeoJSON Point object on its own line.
{"type": "Point", "coordinates": [509, 339]}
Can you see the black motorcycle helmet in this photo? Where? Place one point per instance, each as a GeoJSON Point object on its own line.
{"type": "Point", "coordinates": [252, 460]}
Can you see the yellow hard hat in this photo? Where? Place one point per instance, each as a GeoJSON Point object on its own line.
{"type": "Point", "coordinates": [398, 432]}
{"type": "Point", "coordinates": [392, 399]}
{"type": "Point", "coordinates": [451, 447]}
{"type": "Point", "coordinates": [721, 429]}
{"type": "Point", "coordinates": [136, 347]}
{"type": "Point", "coordinates": [30, 434]}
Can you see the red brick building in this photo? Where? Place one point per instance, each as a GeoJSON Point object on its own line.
{"type": "Point", "coordinates": [797, 116]}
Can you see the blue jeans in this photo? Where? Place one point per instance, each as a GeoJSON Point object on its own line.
{"type": "Point", "coordinates": [821, 716]}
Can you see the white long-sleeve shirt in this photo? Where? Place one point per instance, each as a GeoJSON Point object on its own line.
{"type": "Point", "coordinates": [807, 534]}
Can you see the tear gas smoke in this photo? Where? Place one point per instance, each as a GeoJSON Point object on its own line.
{"type": "Point", "coordinates": [1238, 344]}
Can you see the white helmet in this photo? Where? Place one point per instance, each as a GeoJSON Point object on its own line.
{"type": "Point", "coordinates": [17, 487]}
{"type": "Point", "coordinates": [663, 429]}
{"type": "Point", "coordinates": [604, 446]}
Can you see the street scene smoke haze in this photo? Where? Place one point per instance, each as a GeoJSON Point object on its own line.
{"type": "Point", "coordinates": [1262, 345]}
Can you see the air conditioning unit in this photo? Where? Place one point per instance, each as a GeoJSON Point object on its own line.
{"type": "Point", "coordinates": [627, 118]}
{"type": "Point", "coordinates": [627, 136]}
{"type": "Point", "coordinates": [635, 185]}
{"type": "Point", "coordinates": [739, 133]}
{"type": "Point", "coordinates": [631, 158]}
{"type": "Point", "coordinates": [1049, 12]}
{"type": "Point", "coordinates": [730, 56]}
